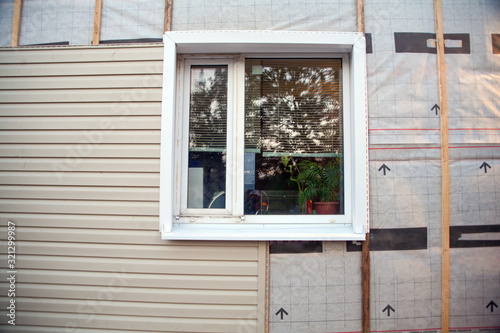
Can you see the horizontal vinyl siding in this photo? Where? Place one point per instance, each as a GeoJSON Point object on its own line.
{"type": "Point", "coordinates": [59, 137]}
{"type": "Point", "coordinates": [81, 109]}
{"type": "Point", "coordinates": [61, 176]}
{"type": "Point", "coordinates": [79, 175]}
{"type": "Point", "coordinates": [83, 193]}
{"type": "Point", "coordinates": [83, 82]}
{"type": "Point", "coordinates": [83, 69]}
{"type": "Point", "coordinates": [79, 165]}
{"type": "Point", "coordinates": [84, 150]}
{"type": "Point", "coordinates": [98, 126]}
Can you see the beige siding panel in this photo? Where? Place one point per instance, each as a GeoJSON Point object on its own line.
{"type": "Point", "coordinates": [83, 82]}
{"type": "Point", "coordinates": [157, 266]}
{"type": "Point", "coordinates": [83, 69]}
{"type": "Point", "coordinates": [80, 123]}
{"type": "Point", "coordinates": [170, 281]}
{"type": "Point", "coordinates": [80, 96]}
{"type": "Point", "coordinates": [63, 178]}
{"type": "Point", "coordinates": [81, 150]}
{"type": "Point", "coordinates": [93, 136]}
{"type": "Point", "coordinates": [136, 323]}
{"type": "Point", "coordinates": [79, 55]}
{"type": "Point", "coordinates": [82, 221]}
{"type": "Point", "coordinates": [194, 252]}
{"type": "Point", "coordinates": [71, 163]}
{"type": "Point", "coordinates": [112, 236]}
{"type": "Point", "coordinates": [80, 193]}
{"type": "Point", "coordinates": [91, 236]}
{"type": "Point", "coordinates": [89, 207]}
{"type": "Point", "coordinates": [124, 107]}
{"type": "Point", "coordinates": [138, 309]}
{"type": "Point", "coordinates": [147, 295]}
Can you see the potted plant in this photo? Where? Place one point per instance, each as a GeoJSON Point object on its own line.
{"type": "Point", "coordinates": [321, 184]}
{"type": "Point", "coordinates": [318, 183]}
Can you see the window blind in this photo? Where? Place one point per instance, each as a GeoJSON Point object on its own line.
{"type": "Point", "coordinates": [294, 106]}
{"type": "Point", "coordinates": [208, 108]}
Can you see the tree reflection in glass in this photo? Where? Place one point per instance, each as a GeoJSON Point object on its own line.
{"type": "Point", "coordinates": [293, 112]}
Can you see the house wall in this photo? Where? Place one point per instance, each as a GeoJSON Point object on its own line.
{"type": "Point", "coordinates": [79, 174]}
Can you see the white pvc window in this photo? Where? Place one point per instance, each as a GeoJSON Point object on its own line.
{"type": "Point", "coordinates": [239, 109]}
{"type": "Point", "coordinates": [207, 150]}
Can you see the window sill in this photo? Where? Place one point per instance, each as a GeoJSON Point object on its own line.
{"type": "Point", "coordinates": [262, 232]}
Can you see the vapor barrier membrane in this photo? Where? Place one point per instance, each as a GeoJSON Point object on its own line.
{"type": "Point", "coordinates": [132, 19]}
{"type": "Point", "coordinates": [6, 14]}
{"type": "Point", "coordinates": [473, 82]}
{"type": "Point", "coordinates": [405, 168]}
{"type": "Point", "coordinates": [71, 22]}
{"type": "Point", "coordinates": [321, 291]}
{"type": "Point", "coordinates": [63, 22]}
{"type": "Point", "coordinates": [264, 15]}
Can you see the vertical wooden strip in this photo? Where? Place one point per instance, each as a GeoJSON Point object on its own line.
{"type": "Point", "coordinates": [360, 15]}
{"type": "Point", "coordinates": [445, 171]}
{"type": "Point", "coordinates": [365, 282]}
{"type": "Point", "coordinates": [168, 15]}
{"type": "Point", "coordinates": [365, 249]}
{"type": "Point", "coordinates": [16, 23]}
{"type": "Point", "coordinates": [262, 289]}
{"type": "Point", "coordinates": [96, 36]}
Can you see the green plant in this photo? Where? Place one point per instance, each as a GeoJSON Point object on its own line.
{"type": "Point", "coordinates": [321, 182]}
{"type": "Point", "coordinates": [289, 165]}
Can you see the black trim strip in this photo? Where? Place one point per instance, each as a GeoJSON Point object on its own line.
{"type": "Point", "coordinates": [131, 41]}
{"type": "Point", "coordinates": [456, 233]}
{"type": "Point", "coordinates": [399, 239]}
{"type": "Point", "coordinates": [369, 45]}
{"type": "Point", "coordinates": [296, 247]}
{"type": "Point", "coordinates": [416, 42]}
{"type": "Point", "coordinates": [48, 44]}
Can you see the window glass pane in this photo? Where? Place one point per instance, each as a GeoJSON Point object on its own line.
{"type": "Point", "coordinates": [207, 137]}
{"type": "Point", "coordinates": [293, 136]}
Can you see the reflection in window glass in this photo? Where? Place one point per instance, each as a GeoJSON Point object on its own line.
{"type": "Point", "coordinates": [293, 136]}
{"type": "Point", "coordinates": [207, 137]}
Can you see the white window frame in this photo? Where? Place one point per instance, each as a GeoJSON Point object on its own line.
{"type": "Point", "coordinates": [178, 223]}
{"type": "Point", "coordinates": [184, 100]}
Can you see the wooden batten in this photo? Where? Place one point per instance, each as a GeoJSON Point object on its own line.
{"type": "Point", "coordinates": [97, 22]}
{"type": "Point", "coordinates": [365, 249]}
{"type": "Point", "coordinates": [360, 5]}
{"type": "Point", "coordinates": [16, 22]}
{"type": "Point", "coordinates": [365, 281]}
{"type": "Point", "coordinates": [168, 15]}
{"type": "Point", "coordinates": [445, 171]}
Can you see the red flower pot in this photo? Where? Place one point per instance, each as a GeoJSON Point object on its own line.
{"type": "Point", "coordinates": [326, 208]}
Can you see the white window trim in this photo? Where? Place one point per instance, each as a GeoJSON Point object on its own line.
{"type": "Point", "coordinates": [353, 227]}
